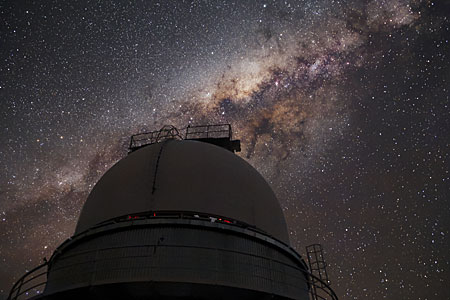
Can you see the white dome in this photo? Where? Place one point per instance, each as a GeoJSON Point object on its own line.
{"type": "Point", "coordinates": [185, 176]}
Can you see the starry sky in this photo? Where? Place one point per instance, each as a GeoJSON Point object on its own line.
{"type": "Point", "coordinates": [343, 106]}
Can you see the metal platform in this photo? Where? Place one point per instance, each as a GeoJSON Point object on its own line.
{"type": "Point", "coordinates": [216, 134]}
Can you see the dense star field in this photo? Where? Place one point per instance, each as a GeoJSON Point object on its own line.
{"type": "Point", "coordinates": [342, 106]}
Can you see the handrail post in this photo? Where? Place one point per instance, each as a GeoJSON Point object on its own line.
{"type": "Point", "coordinates": [19, 287]}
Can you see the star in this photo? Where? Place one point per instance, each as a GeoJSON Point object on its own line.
{"type": "Point", "coordinates": [341, 106]}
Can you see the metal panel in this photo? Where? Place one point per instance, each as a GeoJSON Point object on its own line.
{"type": "Point", "coordinates": [179, 253]}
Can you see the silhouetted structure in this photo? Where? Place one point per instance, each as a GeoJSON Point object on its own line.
{"type": "Point", "coordinates": [178, 218]}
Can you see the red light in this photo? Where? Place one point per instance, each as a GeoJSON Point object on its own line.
{"type": "Point", "coordinates": [226, 221]}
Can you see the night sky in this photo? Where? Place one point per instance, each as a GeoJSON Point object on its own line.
{"type": "Point", "coordinates": [342, 106]}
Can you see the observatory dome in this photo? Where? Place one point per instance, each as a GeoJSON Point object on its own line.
{"type": "Point", "coordinates": [185, 175]}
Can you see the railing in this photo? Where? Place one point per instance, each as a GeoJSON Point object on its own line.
{"type": "Point", "coordinates": [147, 138]}
{"type": "Point", "coordinates": [318, 272]}
{"type": "Point", "coordinates": [320, 290]}
{"type": "Point", "coordinates": [24, 288]}
{"type": "Point", "coordinates": [218, 134]}
{"type": "Point", "coordinates": [170, 132]}
{"type": "Point", "coordinates": [31, 284]}
{"type": "Point", "coordinates": [170, 214]}
{"type": "Point", "coordinates": [209, 131]}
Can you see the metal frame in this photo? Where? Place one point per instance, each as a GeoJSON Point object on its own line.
{"type": "Point", "coordinates": [318, 272]}
{"type": "Point", "coordinates": [209, 131]}
{"type": "Point", "coordinates": [198, 132]}
{"type": "Point", "coordinates": [18, 288]}
{"type": "Point", "coordinates": [148, 138]}
{"type": "Point", "coordinates": [323, 287]}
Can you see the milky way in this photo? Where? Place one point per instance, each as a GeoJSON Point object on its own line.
{"type": "Point", "coordinates": [342, 106]}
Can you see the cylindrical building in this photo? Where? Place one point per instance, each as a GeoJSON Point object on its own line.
{"type": "Point", "coordinates": [179, 219]}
